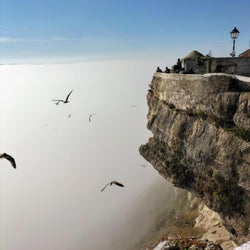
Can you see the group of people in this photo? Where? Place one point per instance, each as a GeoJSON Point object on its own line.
{"type": "Point", "coordinates": [177, 68]}
{"type": "Point", "coordinates": [167, 70]}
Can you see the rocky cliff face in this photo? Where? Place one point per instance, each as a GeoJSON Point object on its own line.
{"type": "Point", "coordinates": [201, 141]}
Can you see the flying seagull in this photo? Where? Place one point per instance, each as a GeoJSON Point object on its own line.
{"type": "Point", "coordinates": [90, 117]}
{"type": "Point", "coordinates": [9, 158]}
{"type": "Point", "coordinates": [63, 101]}
{"type": "Point", "coordinates": [113, 182]}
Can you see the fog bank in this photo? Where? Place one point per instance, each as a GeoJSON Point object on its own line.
{"type": "Point", "coordinates": [53, 199]}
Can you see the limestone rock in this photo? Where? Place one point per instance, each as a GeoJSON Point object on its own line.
{"type": "Point", "coordinates": [201, 141]}
{"type": "Point", "coordinates": [216, 232]}
{"type": "Point", "coordinates": [242, 116]}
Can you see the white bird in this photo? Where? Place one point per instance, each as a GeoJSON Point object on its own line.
{"type": "Point", "coordinates": [111, 183]}
{"type": "Point", "coordinates": [63, 101]}
{"type": "Point", "coordinates": [9, 158]}
{"type": "Point", "coordinates": [90, 117]}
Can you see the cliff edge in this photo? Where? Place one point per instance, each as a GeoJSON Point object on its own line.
{"type": "Point", "coordinates": [201, 141]}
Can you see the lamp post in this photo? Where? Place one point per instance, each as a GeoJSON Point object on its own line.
{"type": "Point", "coordinates": [234, 35]}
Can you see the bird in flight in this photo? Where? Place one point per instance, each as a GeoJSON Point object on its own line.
{"type": "Point", "coordinates": [63, 101]}
{"type": "Point", "coordinates": [9, 158]}
{"type": "Point", "coordinates": [90, 117]}
{"type": "Point", "coordinates": [111, 183]}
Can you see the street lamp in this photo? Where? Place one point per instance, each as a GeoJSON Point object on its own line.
{"type": "Point", "coordinates": [234, 35]}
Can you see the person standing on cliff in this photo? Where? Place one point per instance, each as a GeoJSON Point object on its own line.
{"type": "Point", "coordinates": [177, 66]}
{"type": "Point", "coordinates": [178, 63]}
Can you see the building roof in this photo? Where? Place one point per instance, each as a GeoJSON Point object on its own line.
{"type": "Point", "coordinates": [193, 54]}
{"type": "Point", "coordinates": [245, 53]}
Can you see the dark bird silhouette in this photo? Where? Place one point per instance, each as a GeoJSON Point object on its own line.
{"type": "Point", "coordinates": [9, 158]}
{"type": "Point", "coordinates": [111, 183]}
{"type": "Point", "coordinates": [69, 115]}
{"type": "Point", "coordinates": [90, 117]}
{"type": "Point", "coordinates": [63, 101]}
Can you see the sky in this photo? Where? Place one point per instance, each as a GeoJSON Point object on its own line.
{"type": "Point", "coordinates": [35, 31]}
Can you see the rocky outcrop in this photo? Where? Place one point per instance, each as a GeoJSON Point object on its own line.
{"type": "Point", "coordinates": [200, 126]}
{"type": "Point", "coordinates": [214, 229]}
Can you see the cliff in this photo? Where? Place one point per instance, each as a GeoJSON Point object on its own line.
{"type": "Point", "coordinates": [201, 141]}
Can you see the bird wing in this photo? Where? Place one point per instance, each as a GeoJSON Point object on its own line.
{"type": "Point", "coordinates": [68, 95]}
{"type": "Point", "coordinates": [105, 186]}
{"type": "Point", "coordinates": [10, 159]}
{"type": "Point", "coordinates": [117, 183]}
{"type": "Point", "coordinates": [90, 117]}
{"type": "Point", "coordinates": [57, 100]}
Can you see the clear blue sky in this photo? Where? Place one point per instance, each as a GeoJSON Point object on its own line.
{"type": "Point", "coordinates": [115, 28]}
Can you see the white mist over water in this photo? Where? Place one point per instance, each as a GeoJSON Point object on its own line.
{"type": "Point", "coordinates": [53, 200]}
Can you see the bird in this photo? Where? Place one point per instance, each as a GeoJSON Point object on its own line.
{"type": "Point", "coordinates": [9, 158]}
{"type": "Point", "coordinates": [63, 101]}
{"type": "Point", "coordinates": [69, 115]}
{"type": "Point", "coordinates": [90, 117]}
{"type": "Point", "coordinates": [111, 183]}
